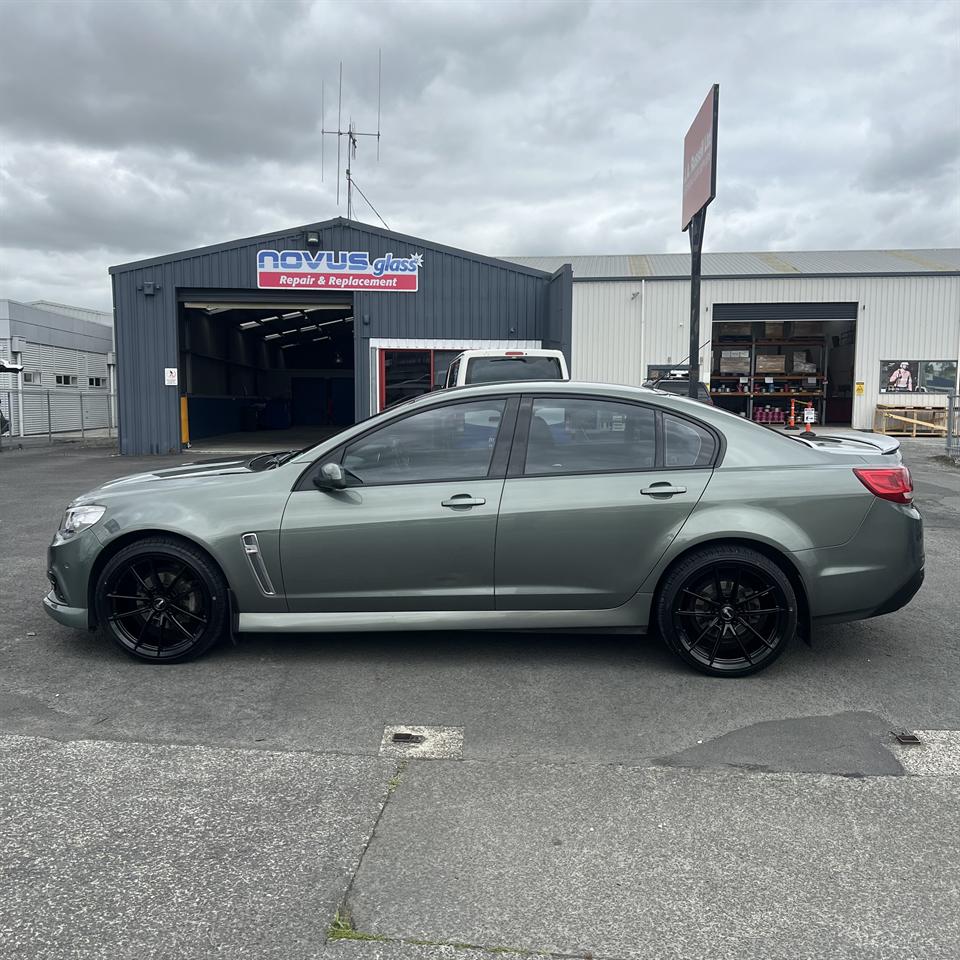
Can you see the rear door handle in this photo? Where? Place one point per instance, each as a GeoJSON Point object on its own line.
{"type": "Point", "coordinates": [662, 490]}
{"type": "Point", "coordinates": [463, 500]}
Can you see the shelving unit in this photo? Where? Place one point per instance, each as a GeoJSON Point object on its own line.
{"type": "Point", "coordinates": [748, 387]}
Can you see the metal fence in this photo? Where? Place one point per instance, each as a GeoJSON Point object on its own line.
{"type": "Point", "coordinates": [953, 427]}
{"type": "Point", "coordinates": [56, 415]}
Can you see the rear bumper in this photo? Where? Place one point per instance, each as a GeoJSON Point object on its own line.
{"type": "Point", "coordinates": [877, 571]}
{"type": "Point", "coordinates": [902, 596]}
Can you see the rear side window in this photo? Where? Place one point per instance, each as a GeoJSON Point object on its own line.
{"type": "Point", "coordinates": [504, 369]}
{"type": "Point", "coordinates": [686, 444]}
{"type": "Point", "coordinates": [574, 435]}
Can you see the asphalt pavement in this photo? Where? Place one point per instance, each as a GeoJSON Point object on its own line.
{"type": "Point", "coordinates": [604, 800]}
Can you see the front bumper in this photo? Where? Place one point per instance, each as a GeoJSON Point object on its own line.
{"type": "Point", "coordinates": [76, 617]}
{"type": "Point", "coordinates": [69, 565]}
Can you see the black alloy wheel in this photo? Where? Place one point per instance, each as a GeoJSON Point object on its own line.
{"type": "Point", "coordinates": [727, 611]}
{"type": "Point", "coordinates": [162, 601]}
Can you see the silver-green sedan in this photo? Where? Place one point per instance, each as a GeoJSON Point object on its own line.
{"type": "Point", "coordinates": [546, 506]}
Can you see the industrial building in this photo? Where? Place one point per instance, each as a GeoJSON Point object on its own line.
{"type": "Point", "coordinates": [317, 326]}
{"type": "Point", "coordinates": [847, 331]}
{"type": "Point", "coordinates": [311, 328]}
{"type": "Point", "coordinates": [68, 379]}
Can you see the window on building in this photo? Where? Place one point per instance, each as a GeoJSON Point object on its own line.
{"type": "Point", "coordinates": [31, 376]}
{"type": "Point", "coordinates": [66, 380]}
{"type": "Point", "coordinates": [97, 381]}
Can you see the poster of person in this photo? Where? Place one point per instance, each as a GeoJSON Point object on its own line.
{"type": "Point", "coordinates": [899, 376]}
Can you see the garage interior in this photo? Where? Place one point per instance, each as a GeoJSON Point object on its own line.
{"type": "Point", "coordinates": [802, 352]}
{"type": "Point", "coordinates": [280, 369]}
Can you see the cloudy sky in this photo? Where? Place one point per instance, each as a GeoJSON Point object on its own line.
{"type": "Point", "coordinates": [132, 129]}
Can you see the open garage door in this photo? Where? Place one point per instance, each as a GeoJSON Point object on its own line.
{"type": "Point", "coordinates": [265, 373]}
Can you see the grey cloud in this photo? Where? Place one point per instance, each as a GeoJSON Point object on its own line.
{"type": "Point", "coordinates": [507, 127]}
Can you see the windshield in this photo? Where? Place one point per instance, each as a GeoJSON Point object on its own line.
{"type": "Point", "coordinates": [500, 369]}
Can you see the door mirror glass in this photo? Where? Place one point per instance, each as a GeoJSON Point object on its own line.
{"type": "Point", "coordinates": [331, 477]}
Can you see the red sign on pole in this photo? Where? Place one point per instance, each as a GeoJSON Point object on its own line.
{"type": "Point", "coordinates": [700, 158]}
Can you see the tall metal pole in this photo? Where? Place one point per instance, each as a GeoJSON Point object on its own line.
{"type": "Point", "coordinates": [696, 248]}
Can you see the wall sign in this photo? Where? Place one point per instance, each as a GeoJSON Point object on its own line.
{"type": "Point", "coordinates": [918, 376]}
{"type": "Point", "coordinates": [170, 377]}
{"type": "Point", "coordinates": [338, 270]}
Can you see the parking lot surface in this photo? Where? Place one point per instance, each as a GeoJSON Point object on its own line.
{"type": "Point", "coordinates": [606, 801]}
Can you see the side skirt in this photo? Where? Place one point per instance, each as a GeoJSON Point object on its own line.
{"type": "Point", "coordinates": [631, 616]}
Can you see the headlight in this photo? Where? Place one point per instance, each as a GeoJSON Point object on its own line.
{"type": "Point", "coordinates": [79, 518]}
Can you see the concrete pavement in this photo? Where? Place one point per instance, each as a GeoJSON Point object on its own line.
{"type": "Point", "coordinates": [233, 806]}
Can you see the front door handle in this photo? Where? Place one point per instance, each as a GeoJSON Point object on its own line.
{"type": "Point", "coordinates": [662, 489]}
{"type": "Point", "coordinates": [463, 500]}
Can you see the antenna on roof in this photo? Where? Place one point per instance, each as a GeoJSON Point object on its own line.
{"type": "Point", "coordinates": [352, 135]}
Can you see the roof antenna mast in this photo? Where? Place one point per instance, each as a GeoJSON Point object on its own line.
{"type": "Point", "coordinates": [352, 135]}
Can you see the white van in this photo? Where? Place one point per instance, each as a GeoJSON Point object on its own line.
{"type": "Point", "coordinates": [499, 366]}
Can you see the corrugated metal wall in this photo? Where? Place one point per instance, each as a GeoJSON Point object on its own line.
{"type": "Point", "coordinates": [48, 407]}
{"type": "Point", "coordinates": [461, 296]}
{"type": "Point", "coordinates": [909, 318]}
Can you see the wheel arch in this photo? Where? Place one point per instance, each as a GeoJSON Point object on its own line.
{"type": "Point", "coordinates": [125, 540]}
{"type": "Point", "coordinates": [772, 553]}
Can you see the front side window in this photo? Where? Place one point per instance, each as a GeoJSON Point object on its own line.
{"type": "Point", "coordinates": [574, 435]}
{"type": "Point", "coordinates": [453, 442]}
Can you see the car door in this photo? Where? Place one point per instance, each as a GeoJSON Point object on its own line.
{"type": "Point", "coordinates": [596, 491]}
{"type": "Point", "coordinates": [415, 530]}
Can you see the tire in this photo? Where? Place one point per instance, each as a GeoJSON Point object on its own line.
{"type": "Point", "coordinates": [727, 611]}
{"type": "Point", "coordinates": [162, 600]}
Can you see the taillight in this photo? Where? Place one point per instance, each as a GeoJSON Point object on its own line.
{"type": "Point", "coordinates": [888, 483]}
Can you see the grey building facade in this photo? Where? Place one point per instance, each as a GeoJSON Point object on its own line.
{"type": "Point", "coordinates": [68, 378]}
{"type": "Point", "coordinates": [315, 326]}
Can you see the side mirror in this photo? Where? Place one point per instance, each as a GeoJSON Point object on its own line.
{"type": "Point", "coordinates": [331, 477]}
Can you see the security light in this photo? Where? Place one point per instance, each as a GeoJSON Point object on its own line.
{"type": "Point", "coordinates": [313, 238]}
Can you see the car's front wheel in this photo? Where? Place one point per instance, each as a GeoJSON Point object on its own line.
{"type": "Point", "coordinates": [162, 600]}
{"type": "Point", "coordinates": [727, 611]}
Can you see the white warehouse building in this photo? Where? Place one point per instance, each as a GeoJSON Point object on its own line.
{"type": "Point", "coordinates": [68, 381]}
{"type": "Point", "coordinates": [850, 332]}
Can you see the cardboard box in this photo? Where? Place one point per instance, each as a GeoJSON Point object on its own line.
{"type": "Point", "coordinates": [770, 363]}
{"type": "Point", "coordinates": [734, 361]}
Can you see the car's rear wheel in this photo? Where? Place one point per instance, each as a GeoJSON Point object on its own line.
{"type": "Point", "coordinates": [162, 600]}
{"type": "Point", "coordinates": [727, 611]}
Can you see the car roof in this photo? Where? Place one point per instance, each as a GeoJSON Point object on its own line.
{"type": "Point", "coordinates": [516, 351]}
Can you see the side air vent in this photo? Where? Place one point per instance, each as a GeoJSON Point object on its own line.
{"type": "Point", "coordinates": [251, 547]}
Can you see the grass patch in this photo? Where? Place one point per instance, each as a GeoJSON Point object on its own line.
{"type": "Point", "coordinates": [397, 778]}
{"type": "Point", "coordinates": [342, 928]}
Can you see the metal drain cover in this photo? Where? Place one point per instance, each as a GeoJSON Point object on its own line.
{"type": "Point", "coordinates": [418, 742]}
